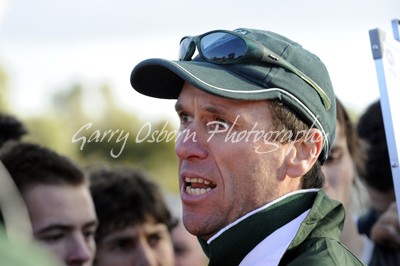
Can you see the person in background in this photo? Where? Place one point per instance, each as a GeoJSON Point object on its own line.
{"type": "Point", "coordinates": [187, 249]}
{"type": "Point", "coordinates": [381, 223]}
{"type": "Point", "coordinates": [257, 119]}
{"type": "Point", "coordinates": [134, 221]}
{"type": "Point", "coordinates": [11, 249]}
{"type": "Point", "coordinates": [56, 193]}
{"type": "Point", "coordinates": [11, 128]}
{"type": "Point", "coordinates": [342, 182]}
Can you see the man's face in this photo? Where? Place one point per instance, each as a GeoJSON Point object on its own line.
{"type": "Point", "coordinates": [64, 221]}
{"type": "Point", "coordinates": [339, 170]}
{"type": "Point", "coordinates": [222, 178]}
{"type": "Point", "coordinates": [142, 244]}
{"type": "Point", "coordinates": [187, 248]}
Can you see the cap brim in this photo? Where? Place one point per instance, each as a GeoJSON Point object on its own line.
{"type": "Point", "coordinates": [162, 78]}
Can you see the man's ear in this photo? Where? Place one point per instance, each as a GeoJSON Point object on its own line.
{"type": "Point", "coordinates": [304, 152]}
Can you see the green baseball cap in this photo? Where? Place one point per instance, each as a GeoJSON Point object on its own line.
{"type": "Point", "coordinates": [248, 80]}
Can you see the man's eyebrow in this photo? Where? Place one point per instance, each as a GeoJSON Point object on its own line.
{"type": "Point", "coordinates": [64, 227]}
{"type": "Point", "coordinates": [215, 110]}
{"type": "Point", "coordinates": [178, 107]}
{"type": "Point", "coordinates": [211, 109]}
{"type": "Point", "coordinates": [52, 227]}
{"type": "Point", "coordinates": [94, 223]}
{"type": "Point", "coordinates": [337, 148]}
{"type": "Point", "coordinates": [119, 238]}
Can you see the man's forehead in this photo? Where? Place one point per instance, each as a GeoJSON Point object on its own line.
{"type": "Point", "coordinates": [56, 189]}
{"type": "Point", "coordinates": [59, 204]}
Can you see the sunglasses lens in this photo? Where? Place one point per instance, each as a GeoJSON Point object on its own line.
{"type": "Point", "coordinates": [222, 47]}
{"type": "Point", "coordinates": [186, 49]}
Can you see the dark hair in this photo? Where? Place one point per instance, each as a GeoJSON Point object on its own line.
{"type": "Point", "coordinates": [284, 119]}
{"type": "Point", "coordinates": [10, 128]}
{"type": "Point", "coordinates": [31, 164]}
{"type": "Point", "coordinates": [376, 172]}
{"type": "Point", "coordinates": [124, 196]}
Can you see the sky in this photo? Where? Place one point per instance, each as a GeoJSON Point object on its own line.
{"type": "Point", "coordinates": [47, 45]}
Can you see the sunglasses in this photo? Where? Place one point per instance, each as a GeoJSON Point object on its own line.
{"type": "Point", "coordinates": [229, 47]}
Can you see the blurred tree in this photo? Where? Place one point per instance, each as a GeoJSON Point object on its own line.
{"type": "Point", "coordinates": [87, 124]}
{"type": "Point", "coordinates": [68, 105]}
{"type": "Point", "coordinates": [50, 131]}
{"type": "Point", "coordinates": [101, 133]}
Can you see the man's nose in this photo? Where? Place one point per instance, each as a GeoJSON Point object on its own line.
{"type": "Point", "coordinates": [79, 251]}
{"type": "Point", "coordinates": [145, 255]}
{"type": "Point", "coordinates": [192, 143]}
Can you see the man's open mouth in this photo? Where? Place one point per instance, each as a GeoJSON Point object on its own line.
{"type": "Point", "coordinates": [198, 186]}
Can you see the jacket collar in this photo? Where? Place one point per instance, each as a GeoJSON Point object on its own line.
{"type": "Point", "coordinates": [234, 243]}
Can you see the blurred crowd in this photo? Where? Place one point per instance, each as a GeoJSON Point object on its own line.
{"type": "Point", "coordinates": [121, 216]}
{"type": "Point", "coordinates": [85, 216]}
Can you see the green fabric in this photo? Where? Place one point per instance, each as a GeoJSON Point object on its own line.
{"type": "Point", "coordinates": [22, 253]}
{"type": "Point", "coordinates": [316, 243]}
{"type": "Point", "coordinates": [232, 242]}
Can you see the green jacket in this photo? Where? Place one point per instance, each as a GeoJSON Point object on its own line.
{"type": "Point", "coordinates": [315, 243]}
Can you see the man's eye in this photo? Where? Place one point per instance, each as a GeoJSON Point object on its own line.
{"type": "Point", "coordinates": [180, 249]}
{"type": "Point", "coordinates": [184, 118]}
{"type": "Point", "coordinates": [123, 245]}
{"type": "Point", "coordinates": [334, 157]}
{"type": "Point", "coordinates": [223, 121]}
{"type": "Point", "coordinates": [218, 124]}
{"type": "Point", "coordinates": [154, 239]}
{"type": "Point", "coordinates": [51, 238]}
{"type": "Point", "coordinates": [89, 234]}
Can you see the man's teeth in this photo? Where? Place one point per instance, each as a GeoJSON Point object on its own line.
{"type": "Point", "coordinates": [196, 180]}
{"type": "Point", "coordinates": [196, 191]}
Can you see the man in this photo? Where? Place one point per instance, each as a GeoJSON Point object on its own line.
{"type": "Point", "coordinates": [257, 118]}
{"type": "Point", "coordinates": [186, 247]}
{"type": "Point", "coordinates": [342, 182]}
{"type": "Point", "coordinates": [371, 129]}
{"type": "Point", "coordinates": [134, 221]}
{"type": "Point", "coordinates": [57, 197]}
{"type": "Point", "coordinates": [381, 223]}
